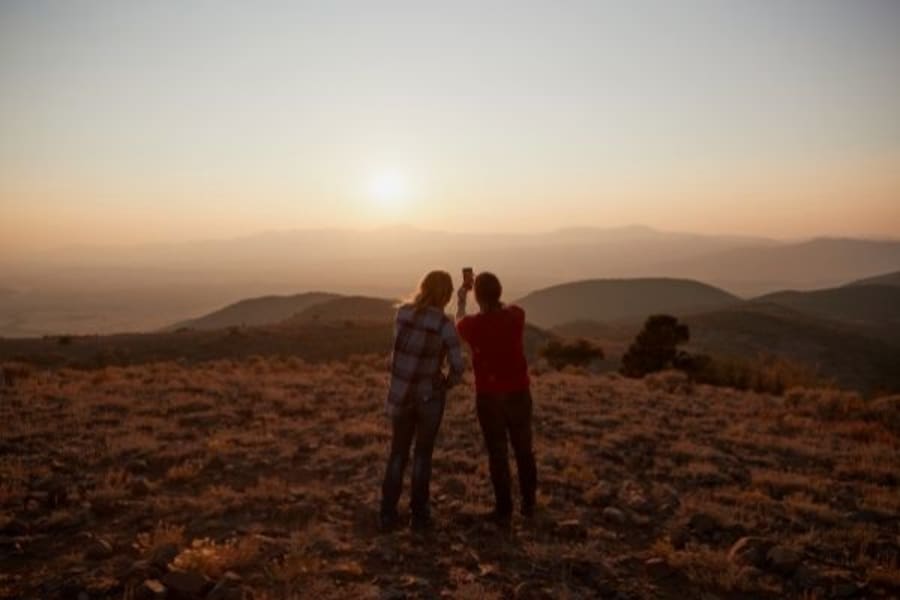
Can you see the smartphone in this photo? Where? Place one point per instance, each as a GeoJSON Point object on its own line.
{"type": "Point", "coordinates": [468, 277]}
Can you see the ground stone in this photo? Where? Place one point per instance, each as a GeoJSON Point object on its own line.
{"type": "Point", "coordinates": [185, 584]}
{"type": "Point", "coordinates": [783, 560]}
{"type": "Point", "coordinates": [98, 549]}
{"type": "Point", "coordinates": [613, 515]}
{"type": "Point", "coordinates": [152, 589]}
{"type": "Point", "coordinates": [163, 555]}
{"type": "Point", "coordinates": [750, 550]}
{"type": "Point", "coordinates": [140, 486]}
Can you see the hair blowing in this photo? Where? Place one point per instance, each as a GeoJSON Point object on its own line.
{"type": "Point", "coordinates": [435, 289]}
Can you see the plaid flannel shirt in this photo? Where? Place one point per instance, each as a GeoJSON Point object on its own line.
{"type": "Point", "coordinates": [422, 339]}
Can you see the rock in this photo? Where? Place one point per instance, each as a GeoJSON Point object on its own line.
{"type": "Point", "coordinates": [632, 496]}
{"type": "Point", "coordinates": [571, 529]}
{"type": "Point", "coordinates": [680, 538]}
{"type": "Point", "coordinates": [140, 487]}
{"type": "Point", "coordinates": [98, 549]}
{"type": "Point", "coordinates": [783, 560]}
{"type": "Point", "coordinates": [226, 589]}
{"type": "Point", "coordinates": [703, 524]}
{"type": "Point", "coordinates": [15, 527]}
{"type": "Point", "coordinates": [750, 550]}
{"type": "Point", "coordinates": [163, 555]}
{"type": "Point", "coordinates": [454, 486]}
{"type": "Point", "coordinates": [806, 577]}
{"type": "Point", "coordinates": [346, 571]}
{"type": "Point", "coordinates": [613, 515]}
{"type": "Point", "coordinates": [658, 568]}
{"type": "Point", "coordinates": [138, 570]}
{"type": "Point", "coordinates": [152, 589]}
{"type": "Point", "coordinates": [185, 584]}
{"type": "Point", "coordinates": [138, 465]}
{"type": "Point", "coordinates": [601, 493]}
{"type": "Point", "coordinates": [530, 590]}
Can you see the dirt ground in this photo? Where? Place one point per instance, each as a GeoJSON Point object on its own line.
{"type": "Point", "coordinates": [259, 478]}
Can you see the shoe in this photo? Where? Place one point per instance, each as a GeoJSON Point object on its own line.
{"type": "Point", "coordinates": [388, 522]}
{"type": "Point", "coordinates": [421, 523]}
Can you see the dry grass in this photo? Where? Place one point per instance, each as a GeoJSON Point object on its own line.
{"type": "Point", "coordinates": [270, 468]}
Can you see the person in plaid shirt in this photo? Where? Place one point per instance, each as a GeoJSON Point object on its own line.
{"type": "Point", "coordinates": [424, 337]}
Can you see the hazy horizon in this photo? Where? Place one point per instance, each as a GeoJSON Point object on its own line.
{"type": "Point", "coordinates": [131, 123]}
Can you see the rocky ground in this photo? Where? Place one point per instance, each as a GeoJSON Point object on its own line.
{"type": "Point", "coordinates": [259, 479]}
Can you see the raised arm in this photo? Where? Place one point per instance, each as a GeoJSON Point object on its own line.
{"type": "Point", "coordinates": [454, 353]}
{"type": "Point", "coordinates": [461, 296]}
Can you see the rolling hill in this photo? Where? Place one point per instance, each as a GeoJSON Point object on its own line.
{"type": "Point", "coordinates": [836, 350]}
{"type": "Point", "coordinates": [886, 279]}
{"type": "Point", "coordinates": [620, 299]}
{"type": "Point", "coordinates": [256, 311]}
{"type": "Point", "coordinates": [360, 309]}
{"type": "Point", "coordinates": [873, 308]}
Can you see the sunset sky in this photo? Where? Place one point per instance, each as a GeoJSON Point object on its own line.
{"type": "Point", "coordinates": [128, 122]}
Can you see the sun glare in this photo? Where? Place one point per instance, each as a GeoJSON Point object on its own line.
{"type": "Point", "coordinates": [389, 189]}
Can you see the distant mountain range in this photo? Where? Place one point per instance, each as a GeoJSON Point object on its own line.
{"type": "Point", "coordinates": [86, 290]}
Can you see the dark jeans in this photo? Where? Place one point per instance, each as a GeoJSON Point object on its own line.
{"type": "Point", "coordinates": [422, 421]}
{"type": "Point", "coordinates": [501, 415]}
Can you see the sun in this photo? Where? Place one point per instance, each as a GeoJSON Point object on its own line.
{"type": "Point", "coordinates": [389, 189]}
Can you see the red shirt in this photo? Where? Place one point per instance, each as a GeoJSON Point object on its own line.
{"type": "Point", "coordinates": [498, 354]}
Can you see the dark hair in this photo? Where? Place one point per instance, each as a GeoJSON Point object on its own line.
{"type": "Point", "coordinates": [488, 290]}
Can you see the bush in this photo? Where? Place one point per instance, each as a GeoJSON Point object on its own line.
{"type": "Point", "coordinates": [579, 353]}
{"type": "Point", "coordinates": [763, 374]}
{"type": "Point", "coordinates": [655, 347]}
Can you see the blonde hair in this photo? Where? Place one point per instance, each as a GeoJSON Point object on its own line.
{"type": "Point", "coordinates": [435, 289]}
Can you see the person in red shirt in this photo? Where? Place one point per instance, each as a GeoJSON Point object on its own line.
{"type": "Point", "coordinates": [503, 394]}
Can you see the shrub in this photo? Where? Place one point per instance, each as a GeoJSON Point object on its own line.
{"type": "Point", "coordinates": [763, 373]}
{"type": "Point", "coordinates": [655, 347]}
{"type": "Point", "coordinates": [579, 353]}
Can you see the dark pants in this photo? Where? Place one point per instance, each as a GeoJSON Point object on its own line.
{"type": "Point", "coordinates": [422, 421]}
{"type": "Point", "coordinates": [501, 415]}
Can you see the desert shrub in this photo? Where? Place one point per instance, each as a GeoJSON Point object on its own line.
{"type": "Point", "coordinates": [823, 403]}
{"type": "Point", "coordinates": [64, 340]}
{"type": "Point", "coordinates": [763, 374]}
{"type": "Point", "coordinates": [213, 559]}
{"type": "Point", "coordinates": [10, 373]}
{"type": "Point", "coordinates": [656, 346]}
{"type": "Point", "coordinates": [886, 410]}
{"type": "Point", "coordinates": [671, 380]}
{"type": "Point", "coordinates": [578, 353]}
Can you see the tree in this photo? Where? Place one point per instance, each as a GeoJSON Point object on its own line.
{"type": "Point", "coordinates": [656, 347]}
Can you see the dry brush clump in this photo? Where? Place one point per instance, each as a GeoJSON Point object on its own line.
{"type": "Point", "coordinates": [261, 476]}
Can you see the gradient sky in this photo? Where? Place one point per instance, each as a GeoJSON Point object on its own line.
{"type": "Point", "coordinates": [130, 121]}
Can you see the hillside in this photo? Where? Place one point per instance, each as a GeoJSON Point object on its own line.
{"type": "Point", "coordinates": [837, 351]}
{"type": "Point", "coordinates": [260, 478]}
{"type": "Point", "coordinates": [874, 308]}
{"type": "Point", "coordinates": [886, 279]}
{"type": "Point", "coordinates": [619, 299]}
{"type": "Point", "coordinates": [350, 308]}
{"type": "Point", "coordinates": [256, 311]}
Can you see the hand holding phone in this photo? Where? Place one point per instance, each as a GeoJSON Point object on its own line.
{"type": "Point", "coordinates": [468, 278]}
